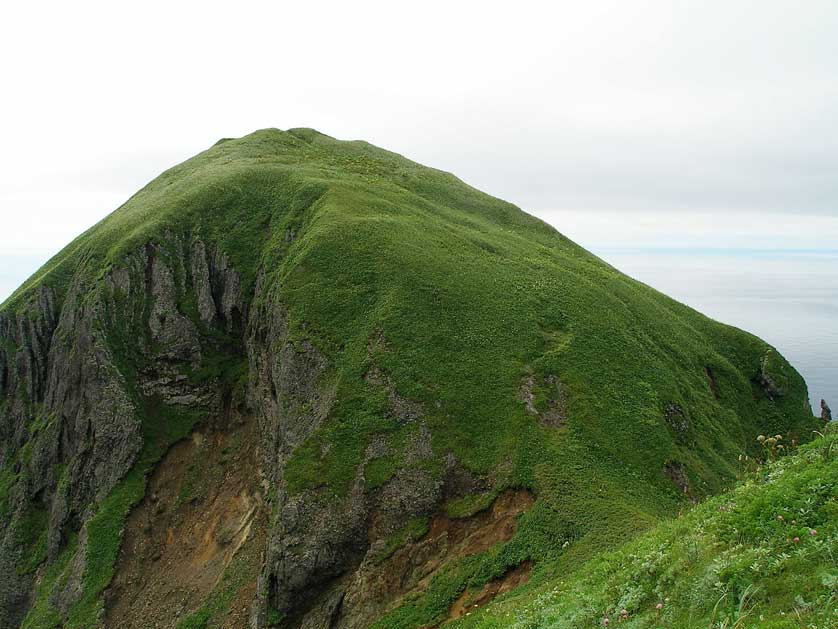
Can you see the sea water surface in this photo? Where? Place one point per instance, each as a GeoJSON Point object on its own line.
{"type": "Point", "coordinates": [787, 297]}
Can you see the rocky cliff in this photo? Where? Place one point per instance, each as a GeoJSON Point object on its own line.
{"type": "Point", "coordinates": [309, 383]}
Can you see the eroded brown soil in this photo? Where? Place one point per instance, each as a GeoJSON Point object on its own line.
{"type": "Point", "coordinates": [380, 585]}
{"type": "Point", "coordinates": [470, 601]}
{"type": "Point", "coordinates": [202, 512]}
{"type": "Point", "coordinates": [486, 528]}
{"type": "Point", "coordinates": [199, 534]}
{"type": "Point", "coordinates": [453, 538]}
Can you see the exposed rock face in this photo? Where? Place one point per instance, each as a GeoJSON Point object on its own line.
{"type": "Point", "coordinates": [677, 420]}
{"type": "Point", "coordinates": [552, 410]}
{"type": "Point", "coordinates": [770, 380]}
{"type": "Point", "coordinates": [385, 575]}
{"type": "Point", "coordinates": [24, 353]}
{"type": "Point", "coordinates": [678, 475]}
{"type": "Point", "coordinates": [315, 539]}
{"type": "Point", "coordinates": [74, 371]}
{"type": "Point", "coordinates": [826, 412]}
{"type": "Point", "coordinates": [84, 435]}
{"type": "Point", "coordinates": [467, 603]}
{"type": "Point", "coordinates": [217, 286]}
{"type": "Point", "coordinates": [202, 516]}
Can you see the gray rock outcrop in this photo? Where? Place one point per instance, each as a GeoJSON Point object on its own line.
{"type": "Point", "coordinates": [76, 370]}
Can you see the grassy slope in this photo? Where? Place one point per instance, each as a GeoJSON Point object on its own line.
{"type": "Point", "coordinates": [762, 555]}
{"type": "Point", "coordinates": [470, 295]}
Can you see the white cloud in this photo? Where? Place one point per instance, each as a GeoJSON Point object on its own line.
{"type": "Point", "coordinates": [609, 106]}
{"type": "Point", "coordinates": [603, 231]}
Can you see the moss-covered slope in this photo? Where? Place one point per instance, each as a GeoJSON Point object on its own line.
{"type": "Point", "coordinates": [409, 346]}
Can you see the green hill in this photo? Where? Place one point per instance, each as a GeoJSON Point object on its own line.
{"type": "Point", "coordinates": [396, 387]}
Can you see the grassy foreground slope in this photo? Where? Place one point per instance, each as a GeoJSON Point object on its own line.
{"type": "Point", "coordinates": [534, 364]}
{"type": "Point", "coordinates": [764, 554]}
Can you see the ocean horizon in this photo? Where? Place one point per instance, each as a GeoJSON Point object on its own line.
{"type": "Point", "coordinates": [788, 297]}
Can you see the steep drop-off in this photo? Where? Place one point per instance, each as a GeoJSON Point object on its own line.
{"type": "Point", "coordinates": [302, 382]}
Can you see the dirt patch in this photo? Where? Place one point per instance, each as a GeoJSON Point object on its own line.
{"type": "Point", "coordinates": [201, 511]}
{"type": "Point", "coordinates": [469, 602]}
{"type": "Point", "coordinates": [711, 380]}
{"type": "Point", "coordinates": [552, 410]}
{"type": "Point", "coordinates": [379, 584]}
{"type": "Point", "coordinates": [484, 529]}
{"type": "Point", "coordinates": [399, 407]}
{"type": "Point", "coordinates": [677, 421]}
{"type": "Point", "coordinates": [676, 472]}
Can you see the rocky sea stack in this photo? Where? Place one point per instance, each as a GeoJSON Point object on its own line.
{"type": "Point", "coordinates": [301, 382]}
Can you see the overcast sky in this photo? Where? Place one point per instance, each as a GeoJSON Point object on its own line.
{"type": "Point", "coordinates": [634, 123]}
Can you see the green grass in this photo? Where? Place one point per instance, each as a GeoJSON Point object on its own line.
{"type": "Point", "coordinates": [470, 296]}
{"type": "Point", "coordinates": [470, 504]}
{"type": "Point", "coordinates": [32, 539]}
{"type": "Point", "coordinates": [414, 530]}
{"type": "Point", "coordinates": [378, 471]}
{"type": "Point", "coordinates": [7, 481]}
{"type": "Point", "coordinates": [42, 614]}
{"type": "Point", "coordinates": [764, 554]}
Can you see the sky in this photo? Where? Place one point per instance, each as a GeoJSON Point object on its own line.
{"type": "Point", "coordinates": [646, 123]}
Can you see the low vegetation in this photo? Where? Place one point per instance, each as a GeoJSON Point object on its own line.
{"type": "Point", "coordinates": [764, 554]}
